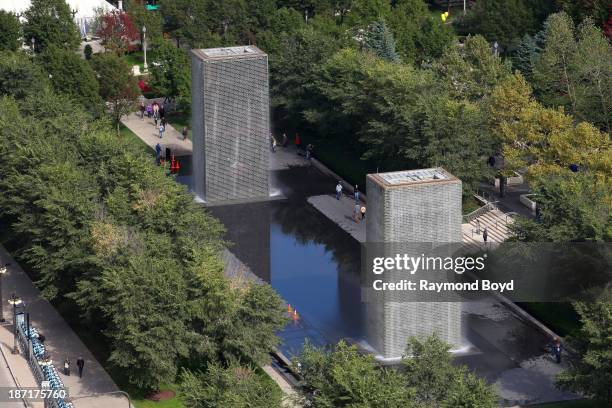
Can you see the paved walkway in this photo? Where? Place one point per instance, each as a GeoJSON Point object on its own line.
{"type": "Point", "coordinates": [145, 129]}
{"type": "Point", "coordinates": [341, 212]}
{"type": "Point", "coordinates": [60, 341]}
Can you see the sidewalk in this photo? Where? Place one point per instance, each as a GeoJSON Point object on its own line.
{"type": "Point", "coordinates": [61, 341]}
{"type": "Point", "coordinates": [145, 129]}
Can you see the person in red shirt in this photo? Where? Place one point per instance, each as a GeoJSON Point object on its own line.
{"type": "Point", "coordinates": [298, 142]}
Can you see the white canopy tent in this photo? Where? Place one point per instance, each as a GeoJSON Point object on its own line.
{"type": "Point", "coordinates": [85, 10]}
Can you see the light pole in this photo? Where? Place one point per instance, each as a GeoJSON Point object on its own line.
{"type": "Point", "coordinates": [33, 42]}
{"type": "Point", "coordinates": [2, 272]}
{"type": "Point", "coordinates": [144, 47]}
{"type": "Point", "coordinates": [15, 301]}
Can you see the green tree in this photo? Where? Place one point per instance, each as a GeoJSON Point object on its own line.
{"type": "Point", "coordinates": [581, 9]}
{"type": "Point", "coordinates": [234, 386]}
{"type": "Point", "coordinates": [72, 75]}
{"type": "Point", "coordinates": [590, 372]}
{"type": "Point", "coordinates": [188, 22]}
{"type": "Point", "coordinates": [418, 34]}
{"type": "Point", "coordinates": [379, 39]}
{"type": "Point", "coordinates": [118, 87]}
{"type": "Point", "coordinates": [172, 75]}
{"type": "Point", "coordinates": [346, 378]}
{"type": "Point", "coordinates": [50, 22]}
{"type": "Point", "coordinates": [19, 77]}
{"type": "Point", "coordinates": [10, 31]}
{"type": "Point", "coordinates": [573, 207]}
{"type": "Point", "coordinates": [141, 17]}
{"type": "Point", "coordinates": [429, 370]}
{"type": "Point", "coordinates": [505, 22]}
{"type": "Point", "coordinates": [554, 77]}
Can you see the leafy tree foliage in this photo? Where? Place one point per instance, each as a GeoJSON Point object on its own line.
{"type": "Point", "coordinates": [419, 35]}
{"type": "Point", "coordinates": [172, 77]}
{"type": "Point", "coordinates": [581, 9]}
{"type": "Point", "coordinates": [19, 78]}
{"type": "Point", "coordinates": [234, 386]}
{"type": "Point", "coordinates": [70, 74]}
{"type": "Point", "coordinates": [380, 41]}
{"type": "Point", "coordinates": [573, 207]}
{"type": "Point", "coordinates": [140, 17]}
{"type": "Point", "coordinates": [118, 32]}
{"type": "Point", "coordinates": [574, 70]}
{"type": "Point", "coordinates": [10, 31]}
{"type": "Point", "coordinates": [102, 228]}
{"type": "Point", "coordinates": [344, 377]}
{"type": "Point", "coordinates": [544, 140]}
{"type": "Point", "coordinates": [505, 22]}
{"type": "Point", "coordinates": [50, 22]}
{"type": "Point", "coordinates": [118, 87]}
{"type": "Point", "coordinates": [590, 373]}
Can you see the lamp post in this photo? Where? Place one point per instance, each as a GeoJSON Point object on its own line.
{"type": "Point", "coordinates": [15, 301]}
{"type": "Point", "coordinates": [33, 42]}
{"type": "Point", "coordinates": [2, 272]}
{"type": "Point", "coordinates": [144, 47]}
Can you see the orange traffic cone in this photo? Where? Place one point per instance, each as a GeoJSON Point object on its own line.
{"type": "Point", "coordinates": [289, 309]}
{"type": "Point", "coordinates": [295, 315]}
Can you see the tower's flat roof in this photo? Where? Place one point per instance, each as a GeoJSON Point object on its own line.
{"type": "Point", "coordinates": [406, 177]}
{"type": "Point", "coordinates": [228, 52]}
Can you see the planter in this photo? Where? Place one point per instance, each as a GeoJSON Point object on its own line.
{"type": "Point", "coordinates": [528, 201]}
{"type": "Point", "coordinates": [515, 180]}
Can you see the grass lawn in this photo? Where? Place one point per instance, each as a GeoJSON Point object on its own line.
{"type": "Point", "coordinates": [135, 141]}
{"type": "Point", "coordinates": [137, 58]}
{"type": "Point", "coordinates": [571, 404]}
{"type": "Point", "coordinates": [560, 317]}
{"type": "Point", "coordinates": [179, 120]}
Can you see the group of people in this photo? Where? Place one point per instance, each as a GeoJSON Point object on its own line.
{"type": "Point", "coordinates": [157, 112]}
{"type": "Point", "coordinates": [308, 152]}
{"type": "Point", "coordinates": [359, 213]}
{"type": "Point", "coordinates": [80, 364]}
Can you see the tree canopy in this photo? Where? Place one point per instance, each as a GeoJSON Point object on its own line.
{"type": "Point", "coordinates": [50, 22]}
{"type": "Point", "coordinates": [10, 31]}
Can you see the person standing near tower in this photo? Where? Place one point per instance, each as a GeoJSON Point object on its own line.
{"type": "Point", "coordinates": [298, 142]}
{"type": "Point", "coordinates": [338, 191]}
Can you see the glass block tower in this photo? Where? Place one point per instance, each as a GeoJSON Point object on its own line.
{"type": "Point", "coordinates": [412, 210]}
{"type": "Point", "coordinates": [231, 123]}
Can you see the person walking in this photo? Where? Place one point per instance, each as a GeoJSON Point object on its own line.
{"type": "Point", "coordinates": [298, 142]}
{"type": "Point", "coordinates": [161, 130]}
{"type": "Point", "coordinates": [149, 110]}
{"type": "Point", "coordinates": [80, 365]}
{"type": "Point", "coordinates": [356, 194]}
{"type": "Point", "coordinates": [142, 108]}
{"type": "Point", "coordinates": [309, 149]}
{"type": "Point", "coordinates": [357, 213]}
{"type": "Point", "coordinates": [66, 366]}
{"type": "Point", "coordinates": [158, 150]}
{"type": "Point", "coordinates": [485, 235]}
{"type": "Point", "coordinates": [273, 144]}
{"type": "Point", "coordinates": [363, 212]}
{"type": "Point", "coordinates": [338, 191]}
{"type": "Point", "coordinates": [557, 349]}
{"type": "Point", "coordinates": [185, 132]}
{"type": "Point", "coordinates": [285, 140]}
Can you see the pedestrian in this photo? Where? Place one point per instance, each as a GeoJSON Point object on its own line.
{"type": "Point", "coordinates": [485, 235]}
{"type": "Point", "coordinates": [356, 213]}
{"type": "Point", "coordinates": [162, 112]}
{"type": "Point", "coordinates": [557, 349]}
{"type": "Point", "coordinates": [161, 130]}
{"type": "Point", "coordinates": [363, 211]}
{"type": "Point", "coordinates": [273, 144]}
{"type": "Point", "coordinates": [158, 150]}
{"type": "Point", "coordinates": [156, 108]}
{"type": "Point", "coordinates": [309, 149]}
{"type": "Point", "coordinates": [154, 118]}
{"type": "Point", "coordinates": [356, 194]}
{"type": "Point", "coordinates": [80, 365]}
{"type": "Point", "coordinates": [185, 132]}
{"type": "Point", "coordinates": [298, 142]}
{"type": "Point", "coordinates": [149, 110]}
{"type": "Point", "coordinates": [338, 190]}
{"type": "Point", "coordinates": [142, 108]}
{"type": "Point", "coordinates": [66, 366]}
{"type": "Point", "coordinates": [285, 140]}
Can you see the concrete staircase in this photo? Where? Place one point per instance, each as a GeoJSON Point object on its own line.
{"type": "Point", "coordinates": [496, 223]}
